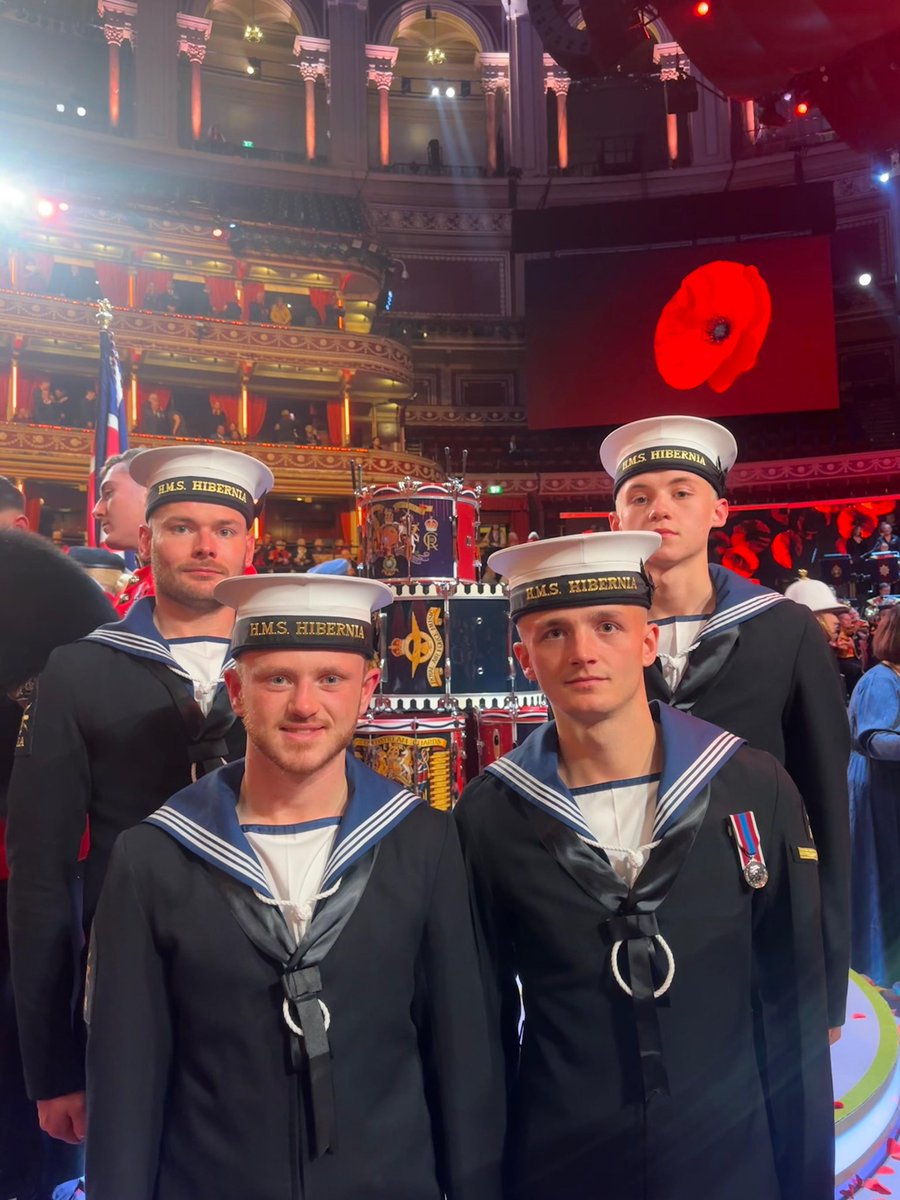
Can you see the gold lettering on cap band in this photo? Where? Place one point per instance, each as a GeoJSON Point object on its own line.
{"type": "Point", "coordinates": [661, 458]}
{"type": "Point", "coordinates": [217, 491]}
{"type": "Point", "coordinates": [310, 632]}
{"type": "Point", "coordinates": [624, 587]}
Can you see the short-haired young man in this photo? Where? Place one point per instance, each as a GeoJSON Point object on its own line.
{"type": "Point", "coordinates": [117, 723]}
{"type": "Point", "coordinates": [284, 997]}
{"type": "Point", "coordinates": [649, 882]}
{"type": "Point", "coordinates": [735, 653]}
{"type": "Point", "coordinates": [12, 506]}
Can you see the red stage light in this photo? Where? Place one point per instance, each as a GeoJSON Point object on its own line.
{"type": "Point", "coordinates": [701, 9]}
{"type": "Point", "coordinates": [801, 109]}
{"type": "Point", "coordinates": [45, 208]}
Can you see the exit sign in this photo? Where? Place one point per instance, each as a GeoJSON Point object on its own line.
{"type": "Point", "coordinates": [495, 489]}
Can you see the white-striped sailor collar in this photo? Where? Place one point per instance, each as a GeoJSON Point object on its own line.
{"type": "Point", "coordinates": [737, 600]}
{"type": "Point", "coordinates": [694, 751]}
{"type": "Point", "coordinates": [137, 634]}
{"type": "Point", "coordinates": [203, 818]}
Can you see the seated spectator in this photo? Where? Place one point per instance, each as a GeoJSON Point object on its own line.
{"type": "Point", "coordinates": [310, 436]}
{"type": "Point", "coordinates": [231, 311]}
{"type": "Point", "coordinates": [303, 560]}
{"type": "Point", "coordinates": [375, 444]}
{"type": "Point", "coordinates": [280, 313]}
{"type": "Point", "coordinates": [155, 420]}
{"type": "Point", "coordinates": [168, 301]}
{"type": "Point", "coordinates": [279, 558]}
{"type": "Point", "coordinates": [234, 434]}
{"type": "Point", "coordinates": [214, 421]}
{"type": "Point", "coordinates": [261, 553]}
{"type": "Point", "coordinates": [63, 410]}
{"type": "Point", "coordinates": [285, 428]}
{"type": "Point", "coordinates": [258, 313]}
{"type": "Point", "coordinates": [319, 553]}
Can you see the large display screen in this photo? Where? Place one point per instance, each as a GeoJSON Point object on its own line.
{"type": "Point", "coordinates": [711, 330]}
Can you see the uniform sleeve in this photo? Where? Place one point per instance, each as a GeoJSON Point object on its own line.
{"type": "Point", "coordinates": [493, 937]}
{"type": "Point", "coordinates": [129, 1047]}
{"type": "Point", "coordinates": [462, 1080]}
{"type": "Point", "coordinates": [817, 751]}
{"type": "Point", "coordinates": [790, 1002]}
{"type": "Point", "coordinates": [47, 803]}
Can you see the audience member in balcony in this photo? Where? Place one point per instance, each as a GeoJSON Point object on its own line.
{"type": "Point", "coordinates": [213, 424]}
{"type": "Point", "coordinates": [203, 306]}
{"type": "Point", "coordinates": [231, 311]}
{"type": "Point", "coordinates": [257, 313]}
{"type": "Point", "coordinates": [278, 560]}
{"type": "Point", "coordinates": [32, 280]}
{"type": "Point", "coordinates": [152, 298]}
{"type": "Point", "coordinates": [45, 409]}
{"type": "Point", "coordinates": [285, 428]}
{"type": "Point", "coordinates": [375, 444]}
{"type": "Point", "coordinates": [311, 436]}
{"type": "Point", "coordinates": [169, 302]}
{"type": "Point", "coordinates": [280, 313]}
{"type": "Point", "coordinates": [303, 559]}
{"type": "Point", "coordinates": [261, 553]}
{"type": "Point", "coordinates": [156, 421]}
{"type": "Point", "coordinates": [64, 411]}
{"type": "Point", "coordinates": [234, 434]}
{"type": "Point", "coordinates": [85, 416]}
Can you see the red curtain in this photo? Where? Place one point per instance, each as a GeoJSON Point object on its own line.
{"type": "Point", "coordinates": [4, 393]}
{"type": "Point", "coordinates": [221, 291]}
{"type": "Point", "coordinates": [257, 406]}
{"type": "Point", "coordinates": [230, 403]}
{"type": "Point", "coordinates": [5, 277]}
{"type": "Point", "coordinates": [27, 383]}
{"type": "Point", "coordinates": [335, 415]}
{"type": "Point", "coordinates": [113, 282]}
{"type": "Point", "coordinates": [320, 298]}
{"type": "Point", "coordinates": [146, 276]}
{"type": "Point", "coordinates": [254, 293]}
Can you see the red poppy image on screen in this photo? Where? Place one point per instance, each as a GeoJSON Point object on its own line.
{"type": "Point", "coordinates": [713, 328]}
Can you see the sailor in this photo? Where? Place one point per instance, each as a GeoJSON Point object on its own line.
{"type": "Point", "coordinates": [649, 882]}
{"type": "Point", "coordinates": [283, 990]}
{"type": "Point", "coordinates": [735, 653]}
{"type": "Point", "coordinates": [116, 724]}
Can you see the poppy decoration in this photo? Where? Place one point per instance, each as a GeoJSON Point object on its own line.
{"type": "Point", "coordinates": [713, 328]}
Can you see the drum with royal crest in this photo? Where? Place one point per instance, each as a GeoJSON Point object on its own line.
{"type": "Point", "coordinates": [423, 753]}
{"type": "Point", "coordinates": [420, 532]}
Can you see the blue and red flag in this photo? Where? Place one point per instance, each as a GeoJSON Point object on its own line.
{"type": "Point", "coordinates": [111, 432]}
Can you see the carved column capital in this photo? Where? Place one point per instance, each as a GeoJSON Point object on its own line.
{"type": "Point", "coordinates": [380, 63]}
{"type": "Point", "coordinates": [494, 72]}
{"type": "Point", "coordinates": [193, 35]}
{"type": "Point", "coordinates": [118, 20]}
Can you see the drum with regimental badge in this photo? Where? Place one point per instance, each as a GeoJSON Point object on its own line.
{"type": "Point", "coordinates": [448, 647]}
{"type": "Point", "coordinates": [500, 730]}
{"type": "Point", "coordinates": [884, 568]}
{"type": "Point", "coordinates": [423, 753]}
{"type": "Point", "coordinates": [420, 532]}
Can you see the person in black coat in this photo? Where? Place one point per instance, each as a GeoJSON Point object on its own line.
{"type": "Point", "coordinates": [735, 653]}
{"type": "Point", "coordinates": [46, 601]}
{"type": "Point", "coordinates": [283, 989]}
{"type": "Point", "coordinates": [116, 723]}
{"type": "Point", "coordinates": [649, 883]}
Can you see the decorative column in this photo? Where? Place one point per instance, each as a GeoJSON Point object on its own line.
{"type": "Point", "coordinates": [246, 371]}
{"type": "Point", "coordinates": [527, 111]}
{"type": "Point", "coordinates": [313, 54]}
{"type": "Point", "coordinates": [347, 124]}
{"type": "Point", "coordinates": [380, 63]}
{"type": "Point", "coordinates": [193, 34]}
{"type": "Point", "coordinates": [12, 398]}
{"type": "Point", "coordinates": [556, 80]}
{"type": "Point", "coordinates": [135, 357]}
{"type": "Point", "coordinates": [156, 72]}
{"type": "Point", "coordinates": [346, 379]}
{"type": "Point", "coordinates": [673, 65]}
{"type": "Point", "coordinates": [494, 82]}
{"type": "Point", "coordinates": [118, 27]}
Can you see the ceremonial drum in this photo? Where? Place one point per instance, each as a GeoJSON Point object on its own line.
{"type": "Point", "coordinates": [450, 648]}
{"type": "Point", "coordinates": [837, 571]}
{"type": "Point", "coordinates": [417, 532]}
{"type": "Point", "coordinates": [500, 730]}
{"type": "Point", "coordinates": [425, 754]}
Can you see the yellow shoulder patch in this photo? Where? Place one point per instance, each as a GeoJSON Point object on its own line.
{"type": "Point", "coordinates": [808, 853]}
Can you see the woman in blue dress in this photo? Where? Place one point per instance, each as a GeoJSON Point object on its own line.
{"type": "Point", "coordinates": [874, 776]}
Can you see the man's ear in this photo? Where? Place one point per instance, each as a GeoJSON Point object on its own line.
{"type": "Point", "coordinates": [524, 659]}
{"type": "Point", "coordinates": [249, 547]}
{"type": "Point", "coordinates": [651, 644]}
{"type": "Point", "coordinates": [720, 513]}
{"type": "Point", "coordinates": [371, 677]}
{"type": "Point", "coordinates": [235, 692]}
{"type": "Point", "coordinates": [614, 523]}
{"type": "Point", "coordinates": [144, 538]}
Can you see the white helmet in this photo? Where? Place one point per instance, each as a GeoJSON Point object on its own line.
{"type": "Point", "coordinates": [814, 594]}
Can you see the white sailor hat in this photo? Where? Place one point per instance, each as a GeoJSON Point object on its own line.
{"type": "Point", "coordinates": [205, 473]}
{"type": "Point", "coordinates": [303, 612]}
{"type": "Point", "coordinates": [814, 594]}
{"type": "Point", "coordinates": [669, 444]}
{"type": "Point", "coordinates": [586, 568]}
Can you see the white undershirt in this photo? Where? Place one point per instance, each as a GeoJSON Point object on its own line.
{"type": "Point", "coordinates": [203, 659]}
{"type": "Point", "coordinates": [620, 815]}
{"type": "Point", "coordinates": [676, 637]}
{"type": "Point", "coordinates": [293, 858]}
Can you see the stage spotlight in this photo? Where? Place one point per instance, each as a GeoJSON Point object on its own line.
{"type": "Point", "coordinates": [81, 111]}
{"type": "Point", "coordinates": [60, 108]}
{"type": "Point", "coordinates": [864, 279]}
{"type": "Point", "coordinates": [450, 93]}
{"type": "Point", "coordinates": [788, 96]}
{"type": "Point", "coordinates": [254, 67]}
{"type": "Point", "coordinates": [801, 109]}
{"type": "Point", "coordinates": [63, 206]}
{"type": "Point", "coordinates": [45, 208]}
{"type": "Point", "coordinates": [217, 232]}
{"type": "Point", "coordinates": [11, 197]}
{"type": "Point", "coordinates": [435, 91]}
{"type": "Point", "coordinates": [702, 8]}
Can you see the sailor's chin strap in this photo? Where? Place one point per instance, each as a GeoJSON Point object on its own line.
{"type": "Point", "coordinates": [640, 934]}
